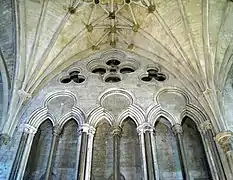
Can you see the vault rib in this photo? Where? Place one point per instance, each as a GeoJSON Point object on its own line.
{"type": "Point", "coordinates": [102, 38]}
{"type": "Point", "coordinates": [206, 42]}
{"type": "Point", "coordinates": [91, 14]}
{"type": "Point", "coordinates": [123, 38]}
{"type": "Point", "coordinates": [133, 15]}
{"type": "Point", "coordinates": [35, 43]}
{"type": "Point", "coordinates": [225, 62]}
{"type": "Point", "coordinates": [226, 65]}
{"type": "Point", "coordinates": [149, 37]}
{"type": "Point", "coordinates": [51, 65]}
{"type": "Point", "coordinates": [49, 48]}
{"type": "Point", "coordinates": [178, 47]}
{"type": "Point", "coordinates": [187, 30]}
{"type": "Point", "coordinates": [224, 16]}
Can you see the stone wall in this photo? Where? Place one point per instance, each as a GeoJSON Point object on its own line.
{"type": "Point", "coordinates": [1, 98]}
{"type": "Point", "coordinates": [130, 152]}
{"type": "Point", "coordinates": [7, 155]}
{"type": "Point", "coordinates": [7, 27]}
{"type": "Point", "coordinates": [196, 157]}
{"type": "Point", "coordinates": [167, 154]}
{"type": "Point", "coordinates": [38, 158]}
{"type": "Point", "coordinates": [102, 152]}
{"type": "Point", "coordinates": [66, 155]}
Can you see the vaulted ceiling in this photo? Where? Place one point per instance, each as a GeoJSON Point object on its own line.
{"type": "Point", "coordinates": [191, 38]}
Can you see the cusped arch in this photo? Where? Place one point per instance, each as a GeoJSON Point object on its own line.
{"type": "Point", "coordinates": [39, 116]}
{"type": "Point", "coordinates": [155, 112]}
{"type": "Point", "coordinates": [174, 90]}
{"type": "Point", "coordinates": [98, 114]}
{"type": "Point", "coordinates": [195, 114]}
{"type": "Point", "coordinates": [76, 114]}
{"type": "Point", "coordinates": [114, 91]}
{"type": "Point", "coordinates": [135, 112]}
{"type": "Point", "coordinates": [60, 94]}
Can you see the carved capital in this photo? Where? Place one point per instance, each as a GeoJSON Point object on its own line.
{"type": "Point", "coordinates": [87, 129]}
{"type": "Point", "coordinates": [225, 140]}
{"type": "Point", "coordinates": [145, 127]}
{"type": "Point", "coordinates": [177, 129]}
{"type": "Point", "coordinates": [116, 130]}
{"type": "Point", "coordinates": [24, 94]}
{"type": "Point", "coordinates": [206, 125]}
{"type": "Point", "coordinates": [4, 139]}
{"type": "Point", "coordinates": [56, 130]}
{"type": "Point", "coordinates": [29, 129]}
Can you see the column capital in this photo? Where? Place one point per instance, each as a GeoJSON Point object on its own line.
{"type": "Point", "coordinates": [225, 140]}
{"type": "Point", "coordinates": [145, 127]}
{"type": "Point", "coordinates": [116, 130]}
{"type": "Point", "coordinates": [87, 128]}
{"type": "Point", "coordinates": [206, 125]}
{"type": "Point", "coordinates": [56, 130]}
{"type": "Point", "coordinates": [29, 129]}
{"type": "Point", "coordinates": [177, 129]}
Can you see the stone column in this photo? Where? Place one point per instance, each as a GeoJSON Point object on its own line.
{"type": "Point", "coordinates": [178, 131]}
{"type": "Point", "coordinates": [85, 155]}
{"type": "Point", "coordinates": [225, 140]}
{"type": "Point", "coordinates": [212, 154]}
{"type": "Point", "coordinates": [154, 153]}
{"type": "Point", "coordinates": [56, 134]}
{"type": "Point", "coordinates": [116, 132]}
{"type": "Point", "coordinates": [79, 141]}
{"type": "Point", "coordinates": [146, 134]}
{"type": "Point", "coordinates": [143, 151]}
{"type": "Point", "coordinates": [90, 136]}
{"type": "Point", "coordinates": [29, 132]}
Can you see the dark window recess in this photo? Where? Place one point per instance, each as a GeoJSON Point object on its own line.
{"type": "Point", "coordinates": [147, 78]}
{"type": "Point", "coordinates": [154, 74]}
{"type": "Point", "coordinates": [126, 70]}
{"type": "Point", "coordinates": [112, 79]}
{"type": "Point", "coordinates": [160, 77]}
{"type": "Point", "coordinates": [113, 70]}
{"type": "Point", "coordinates": [73, 76]}
{"type": "Point", "coordinates": [97, 1]}
{"type": "Point", "coordinates": [65, 80]}
{"type": "Point", "coordinates": [113, 62]}
{"type": "Point", "coordinates": [79, 79]}
{"type": "Point", "coordinates": [99, 71]}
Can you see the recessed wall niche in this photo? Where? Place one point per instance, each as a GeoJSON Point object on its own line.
{"type": "Point", "coordinates": [73, 75]}
{"type": "Point", "coordinates": [153, 74]}
{"type": "Point", "coordinates": [113, 67]}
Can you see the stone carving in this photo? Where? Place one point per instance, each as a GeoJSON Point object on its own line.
{"type": "Point", "coordinates": [177, 129]}
{"type": "Point", "coordinates": [225, 140]}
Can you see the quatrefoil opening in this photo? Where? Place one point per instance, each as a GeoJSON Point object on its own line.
{"type": "Point", "coordinates": [113, 67]}
{"type": "Point", "coordinates": [74, 76]}
{"type": "Point", "coordinates": [154, 74]}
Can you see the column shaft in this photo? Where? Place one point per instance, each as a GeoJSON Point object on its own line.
{"type": "Point", "coordinates": [56, 133]}
{"type": "Point", "coordinates": [149, 156]}
{"type": "Point", "coordinates": [154, 153]}
{"type": "Point", "coordinates": [215, 154]}
{"type": "Point", "coordinates": [116, 152]}
{"type": "Point", "coordinates": [18, 157]}
{"type": "Point", "coordinates": [22, 166]}
{"type": "Point", "coordinates": [225, 140]}
{"type": "Point", "coordinates": [82, 157]}
{"type": "Point", "coordinates": [177, 129]}
{"type": "Point", "coordinates": [89, 154]}
{"type": "Point", "coordinates": [143, 151]}
{"type": "Point", "coordinates": [79, 141]}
